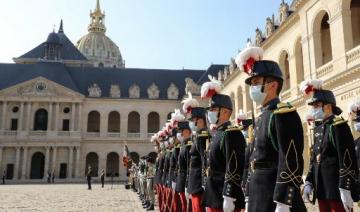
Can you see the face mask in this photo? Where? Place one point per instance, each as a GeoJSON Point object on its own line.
{"type": "Point", "coordinates": [166, 144]}
{"type": "Point", "coordinates": [192, 126]}
{"type": "Point", "coordinates": [317, 113]}
{"type": "Point", "coordinates": [171, 140]}
{"type": "Point", "coordinates": [212, 117]}
{"type": "Point", "coordinates": [256, 95]}
{"type": "Point", "coordinates": [357, 126]}
{"type": "Point", "coordinates": [156, 148]}
{"type": "Point", "coordinates": [179, 137]}
{"type": "Point", "coordinates": [162, 146]}
{"type": "Point", "coordinates": [245, 133]}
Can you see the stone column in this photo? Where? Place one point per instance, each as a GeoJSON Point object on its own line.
{"type": "Point", "coordinates": [56, 125]}
{"type": "Point", "coordinates": [23, 168]}
{"type": "Point", "coordinates": [17, 163]}
{"type": "Point", "coordinates": [143, 125]}
{"type": "Point", "coordinates": [78, 169]}
{"type": "Point", "coordinates": [3, 119]}
{"type": "Point", "coordinates": [72, 121]}
{"type": "Point", "coordinates": [21, 118]}
{"type": "Point", "coordinates": [53, 166]}
{"type": "Point", "coordinates": [124, 124]}
{"type": "Point", "coordinates": [47, 157]}
{"type": "Point", "coordinates": [1, 153]}
{"type": "Point", "coordinates": [71, 152]}
{"type": "Point", "coordinates": [28, 117]}
{"type": "Point", "coordinates": [79, 121]}
{"type": "Point", "coordinates": [50, 115]}
{"type": "Point", "coordinates": [103, 124]}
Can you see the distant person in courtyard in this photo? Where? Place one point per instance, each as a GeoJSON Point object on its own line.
{"type": "Point", "coordinates": [3, 177]}
{"type": "Point", "coordinates": [53, 177]}
{"type": "Point", "coordinates": [102, 177]}
{"type": "Point", "coordinates": [49, 177]}
{"type": "Point", "coordinates": [88, 177]}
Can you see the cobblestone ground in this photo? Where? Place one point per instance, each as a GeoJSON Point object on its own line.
{"type": "Point", "coordinates": [67, 197]}
{"type": "Point", "coordinates": [72, 197]}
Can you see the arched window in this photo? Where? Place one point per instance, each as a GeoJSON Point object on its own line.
{"type": "Point", "coordinates": [299, 60]}
{"type": "Point", "coordinates": [93, 123]}
{"type": "Point", "coordinates": [114, 122]}
{"type": "Point", "coordinates": [153, 122]}
{"type": "Point", "coordinates": [92, 160]}
{"type": "Point", "coordinates": [284, 65]}
{"type": "Point", "coordinates": [322, 39]}
{"type": "Point", "coordinates": [112, 165]}
{"type": "Point", "coordinates": [355, 21]}
{"type": "Point", "coordinates": [134, 122]}
{"type": "Point", "coordinates": [37, 166]}
{"type": "Point", "coordinates": [41, 119]}
{"type": "Point", "coordinates": [169, 116]}
{"type": "Point", "coordinates": [239, 99]}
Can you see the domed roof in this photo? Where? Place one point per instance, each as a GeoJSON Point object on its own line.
{"type": "Point", "coordinates": [53, 38]}
{"type": "Point", "coordinates": [96, 46]}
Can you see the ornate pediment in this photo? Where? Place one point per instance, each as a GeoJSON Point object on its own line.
{"type": "Point", "coordinates": [283, 11]}
{"type": "Point", "coordinates": [173, 92]}
{"type": "Point", "coordinates": [134, 92]}
{"type": "Point", "coordinates": [39, 87]}
{"type": "Point", "coordinates": [258, 37]}
{"type": "Point", "coordinates": [115, 91]}
{"type": "Point", "coordinates": [270, 27]}
{"type": "Point", "coordinates": [153, 91]}
{"type": "Point", "coordinates": [94, 90]}
{"type": "Point", "coordinates": [191, 86]}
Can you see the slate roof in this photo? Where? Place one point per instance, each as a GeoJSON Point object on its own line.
{"type": "Point", "coordinates": [80, 79]}
{"type": "Point", "coordinates": [68, 50]}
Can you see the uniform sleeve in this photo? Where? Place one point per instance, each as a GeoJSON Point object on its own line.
{"type": "Point", "coordinates": [345, 147]}
{"type": "Point", "coordinates": [234, 146]}
{"type": "Point", "coordinates": [290, 143]}
{"type": "Point", "coordinates": [187, 157]}
{"type": "Point", "coordinates": [201, 144]}
{"type": "Point", "coordinates": [310, 174]}
{"type": "Point", "coordinates": [246, 166]}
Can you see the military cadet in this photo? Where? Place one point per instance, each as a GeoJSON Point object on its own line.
{"type": "Point", "coordinates": [142, 180]}
{"type": "Point", "coordinates": [165, 180]}
{"type": "Point", "coordinates": [246, 128]}
{"type": "Point", "coordinates": [226, 156]}
{"type": "Point", "coordinates": [159, 173]}
{"type": "Point", "coordinates": [355, 112]}
{"type": "Point", "coordinates": [197, 123]}
{"type": "Point", "coordinates": [184, 136]}
{"type": "Point", "coordinates": [150, 182]}
{"type": "Point", "coordinates": [333, 171]}
{"type": "Point", "coordinates": [277, 162]}
{"type": "Point", "coordinates": [175, 203]}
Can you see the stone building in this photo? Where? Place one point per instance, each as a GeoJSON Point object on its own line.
{"type": "Point", "coordinates": [309, 39]}
{"type": "Point", "coordinates": [61, 110]}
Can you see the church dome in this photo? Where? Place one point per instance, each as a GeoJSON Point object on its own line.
{"type": "Point", "coordinates": [96, 46]}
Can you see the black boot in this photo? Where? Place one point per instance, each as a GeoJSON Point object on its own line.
{"type": "Point", "coordinates": [150, 208]}
{"type": "Point", "coordinates": [146, 204]}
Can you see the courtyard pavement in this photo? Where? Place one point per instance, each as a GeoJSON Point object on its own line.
{"type": "Point", "coordinates": [72, 197]}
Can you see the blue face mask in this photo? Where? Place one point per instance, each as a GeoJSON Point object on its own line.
{"type": "Point", "coordinates": [192, 126]}
{"type": "Point", "coordinates": [245, 133]}
{"type": "Point", "coordinates": [318, 113]}
{"type": "Point", "coordinates": [212, 117]}
{"type": "Point", "coordinates": [256, 95]}
{"type": "Point", "coordinates": [357, 126]}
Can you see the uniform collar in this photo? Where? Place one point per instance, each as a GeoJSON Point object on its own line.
{"type": "Point", "coordinates": [271, 105]}
{"type": "Point", "coordinates": [201, 130]}
{"type": "Point", "coordinates": [224, 125]}
{"type": "Point", "coordinates": [329, 119]}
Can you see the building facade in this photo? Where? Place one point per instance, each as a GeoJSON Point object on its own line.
{"type": "Point", "coordinates": [64, 108]}
{"type": "Point", "coordinates": [310, 39]}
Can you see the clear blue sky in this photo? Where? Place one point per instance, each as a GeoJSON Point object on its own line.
{"type": "Point", "coordinates": [150, 33]}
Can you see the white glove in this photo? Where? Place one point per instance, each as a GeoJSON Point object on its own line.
{"type": "Point", "coordinates": [228, 204]}
{"type": "Point", "coordinates": [187, 194]}
{"type": "Point", "coordinates": [282, 207]}
{"type": "Point", "coordinates": [173, 185]}
{"type": "Point", "coordinates": [308, 189]}
{"type": "Point", "coordinates": [246, 206]}
{"type": "Point", "coordinates": [346, 199]}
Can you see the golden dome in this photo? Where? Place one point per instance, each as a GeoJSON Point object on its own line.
{"type": "Point", "coordinates": [96, 46]}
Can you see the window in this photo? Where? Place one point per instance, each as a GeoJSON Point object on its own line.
{"type": "Point", "coordinates": [66, 124]}
{"type": "Point", "coordinates": [14, 124]}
